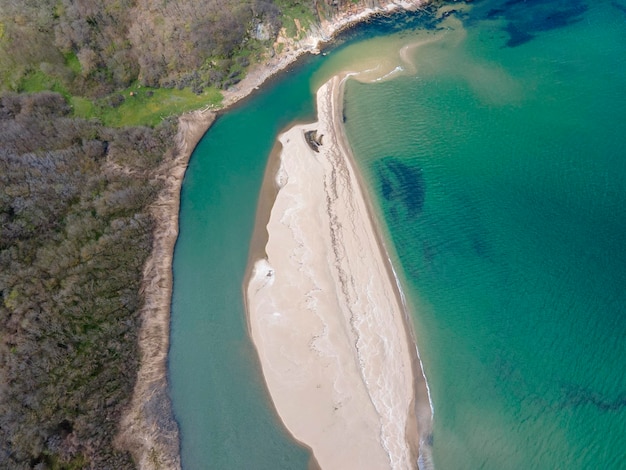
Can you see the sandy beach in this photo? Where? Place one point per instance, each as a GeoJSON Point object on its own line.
{"type": "Point", "coordinates": [325, 312]}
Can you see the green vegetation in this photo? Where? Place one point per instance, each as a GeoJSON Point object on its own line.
{"type": "Point", "coordinates": [40, 81]}
{"type": "Point", "coordinates": [150, 106]}
{"type": "Point", "coordinates": [295, 11]}
{"type": "Point", "coordinates": [93, 51]}
{"type": "Point", "coordinates": [133, 106]}
{"type": "Point", "coordinates": [143, 105]}
{"type": "Point", "coordinates": [73, 63]}
{"type": "Point", "coordinates": [74, 236]}
{"type": "Point", "coordinates": [89, 51]}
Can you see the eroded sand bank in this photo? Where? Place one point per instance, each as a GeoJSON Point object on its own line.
{"type": "Point", "coordinates": [325, 313]}
{"type": "Point", "coordinates": [148, 429]}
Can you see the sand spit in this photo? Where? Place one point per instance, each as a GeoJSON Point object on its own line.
{"type": "Point", "coordinates": [324, 312]}
{"type": "Point", "coordinates": [148, 429]}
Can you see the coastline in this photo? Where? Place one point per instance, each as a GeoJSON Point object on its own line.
{"type": "Point", "coordinates": [324, 346]}
{"type": "Point", "coordinates": [422, 406]}
{"type": "Point", "coordinates": [148, 429]}
{"type": "Point", "coordinates": [319, 36]}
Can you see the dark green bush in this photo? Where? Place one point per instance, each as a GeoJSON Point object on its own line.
{"type": "Point", "coordinates": [75, 233]}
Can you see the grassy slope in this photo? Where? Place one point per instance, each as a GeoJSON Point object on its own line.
{"type": "Point", "coordinates": [146, 106]}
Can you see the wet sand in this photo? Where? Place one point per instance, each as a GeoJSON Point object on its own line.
{"type": "Point", "coordinates": [325, 310]}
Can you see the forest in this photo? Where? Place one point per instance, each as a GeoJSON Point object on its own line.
{"type": "Point", "coordinates": [75, 234]}
{"type": "Point", "coordinates": [99, 54]}
{"type": "Point", "coordinates": [95, 48]}
{"type": "Point", "coordinates": [76, 185]}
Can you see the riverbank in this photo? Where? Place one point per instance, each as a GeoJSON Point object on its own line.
{"type": "Point", "coordinates": [149, 430]}
{"type": "Point", "coordinates": [324, 309]}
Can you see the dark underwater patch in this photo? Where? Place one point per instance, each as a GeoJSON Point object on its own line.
{"type": "Point", "coordinates": [619, 7]}
{"type": "Point", "coordinates": [581, 396]}
{"type": "Point", "coordinates": [517, 37]}
{"type": "Point", "coordinates": [386, 23]}
{"type": "Point", "coordinates": [401, 185]}
{"type": "Point", "coordinates": [526, 19]}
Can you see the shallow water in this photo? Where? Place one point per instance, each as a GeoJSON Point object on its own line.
{"type": "Point", "coordinates": [217, 390]}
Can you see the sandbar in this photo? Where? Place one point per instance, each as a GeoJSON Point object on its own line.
{"type": "Point", "coordinates": [325, 311]}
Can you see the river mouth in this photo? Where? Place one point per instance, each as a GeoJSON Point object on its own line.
{"type": "Point", "coordinates": [216, 383]}
{"type": "Point", "coordinates": [505, 363]}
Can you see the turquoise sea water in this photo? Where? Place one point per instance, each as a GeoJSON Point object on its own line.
{"type": "Point", "coordinates": [499, 169]}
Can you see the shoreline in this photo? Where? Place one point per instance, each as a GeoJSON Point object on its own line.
{"type": "Point", "coordinates": [336, 345]}
{"type": "Point", "coordinates": [319, 37]}
{"type": "Point", "coordinates": [422, 406]}
{"type": "Point", "coordinates": [148, 429]}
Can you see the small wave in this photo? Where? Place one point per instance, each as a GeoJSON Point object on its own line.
{"type": "Point", "coordinates": [404, 305]}
{"type": "Point", "coordinates": [396, 70]}
{"type": "Point", "coordinates": [424, 462]}
{"type": "Point", "coordinates": [356, 74]}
